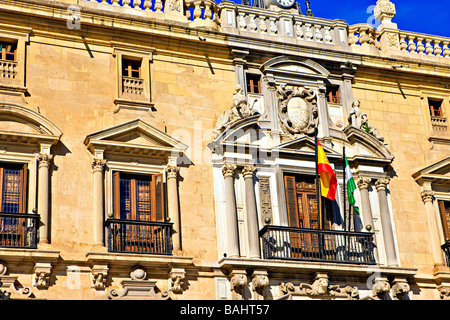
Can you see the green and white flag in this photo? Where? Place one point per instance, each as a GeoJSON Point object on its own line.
{"type": "Point", "coordinates": [351, 186]}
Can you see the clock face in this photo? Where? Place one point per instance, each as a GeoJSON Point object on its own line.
{"type": "Point", "coordinates": [285, 3]}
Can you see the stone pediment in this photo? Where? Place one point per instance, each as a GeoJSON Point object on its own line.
{"type": "Point", "coordinates": [135, 137]}
{"type": "Point", "coordinates": [294, 66]}
{"type": "Point", "coordinates": [438, 172]}
{"type": "Point", "coordinates": [367, 146]}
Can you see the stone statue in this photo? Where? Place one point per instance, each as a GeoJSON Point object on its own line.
{"type": "Point", "coordinates": [240, 109]}
{"type": "Point", "coordinates": [360, 120]}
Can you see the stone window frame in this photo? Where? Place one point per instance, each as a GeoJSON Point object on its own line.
{"type": "Point", "coordinates": [20, 36]}
{"type": "Point", "coordinates": [133, 101]}
{"type": "Point", "coordinates": [435, 123]}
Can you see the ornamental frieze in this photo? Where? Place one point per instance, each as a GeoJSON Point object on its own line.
{"type": "Point", "coordinates": [297, 109]}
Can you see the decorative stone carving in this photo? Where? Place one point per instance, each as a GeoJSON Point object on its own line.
{"type": "Point", "coordinates": [363, 182]}
{"type": "Point", "coordinates": [265, 199]}
{"type": "Point", "coordinates": [238, 281]}
{"type": "Point", "coordinates": [444, 293]}
{"type": "Point", "coordinates": [240, 109]}
{"type": "Point", "coordinates": [44, 160]}
{"type": "Point", "coordinates": [381, 184]}
{"type": "Point", "coordinates": [10, 283]}
{"type": "Point", "coordinates": [260, 281]}
{"type": "Point", "coordinates": [138, 288]}
{"type": "Point", "coordinates": [172, 172]}
{"type": "Point", "coordinates": [248, 171]}
{"type": "Point", "coordinates": [98, 165]}
{"type": "Point", "coordinates": [380, 288]}
{"type": "Point", "coordinates": [177, 277]}
{"type": "Point", "coordinates": [384, 11]}
{"type": "Point", "coordinates": [41, 275]}
{"type": "Point", "coordinates": [174, 5]}
{"type": "Point", "coordinates": [427, 195]}
{"type": "Point", "coordinates": [297, 110]}
{"type": "Point", "coordinates": [360, 120]}
{"type": "Point", "coordinates": [400, 289]}
{"type": "Point", "coordinates": [228, 169]}
{"type": "Point", "coordinates": [99, 273]}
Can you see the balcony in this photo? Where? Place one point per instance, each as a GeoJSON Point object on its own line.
{"type": "Point", "coordinates": [18, 230]}
{"type": "Point", "coordinates": [288, 243]}
{"type": "Point", "coordinates": [130, 236]}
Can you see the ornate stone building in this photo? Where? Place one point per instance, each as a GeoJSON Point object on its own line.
{"type": "Point", "coordinates": [165, 150]}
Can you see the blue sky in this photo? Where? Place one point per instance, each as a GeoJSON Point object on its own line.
{"type": "Point", "coordinates": [429, 17]}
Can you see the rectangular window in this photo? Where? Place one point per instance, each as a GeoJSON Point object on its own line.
{"type": "Point", "coordinates": [131, 68]}
{"type": "Point", "coordinates": [253, 83]}
{"type": "Point", "coordinates": [435, 106]}
{"type": "Point", "coordinates": [13, 180]}
{"type": "Point", "coordinates": [138, 197]}
{"type": "Point", "coordinates": [8, 51]}
{"type": "Point", "coordinates": [333, 94]}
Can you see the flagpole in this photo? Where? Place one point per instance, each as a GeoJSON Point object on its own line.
{"type": "Point", "coordinates": [317, 174]}
{"type": "Point", "coordinates": [345, 206]}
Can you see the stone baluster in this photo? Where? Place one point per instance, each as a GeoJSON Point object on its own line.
{"type": "Point", "coordinates": [115, 2]}
{"type": "Point", "coordinates": [262, 24]}
{"type": "Point", "coordinates": [446, 49]}
{"type": "Point", "coordinates": [437, 48]}
{"type": "Point", "coordinates": [98, 166]}
{"type": "Point", "coordinates": [208, 13]}
{"type": "Point", "coordinates": [428, 198]}
{"type": "Point", "coordinates": [403, 43]}
{"type": "Point", "coordinates": [411, 44]}
{"type": "Point", "coordinates": [172, 203]}
{"type": "Point", "coordinates": [197, 10]}
{"type": "Point", "coordinates": [158, 5]}
{"type": "Point", "coordinates": [273, 26]}
{"type": "Point", "coordinates": [429, 50]}
{"type": "Point", "coordinates": [43, 195]}
{"type": "Point", "coordinates": [420, 46]}
{"type": "Point", "coordinates": [252, 23]}
{"type": "Point", "coordinates": [148, 5]}
{"type": "Point", "coordinates": [232, 248]}
{"type": "Point", "coordinates": [252, 214]}
{"type": "Point", "coordinates": [388, 232]}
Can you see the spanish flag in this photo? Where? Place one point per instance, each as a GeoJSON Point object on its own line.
{"type": "Point", "coordinates": [328, 181]}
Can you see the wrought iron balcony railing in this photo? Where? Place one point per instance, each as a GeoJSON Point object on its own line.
{"type": "Point", "coordinates": [19, 230]}
{"type": "Point", "coordinates": [446, 248]}
{"type": "Point", "coordinates": [139, 236]}
{"type": "Point", "coordinates": [317, 245]}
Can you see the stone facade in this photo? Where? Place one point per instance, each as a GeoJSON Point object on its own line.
{"type": "Point", "coordinates": [223, 149]}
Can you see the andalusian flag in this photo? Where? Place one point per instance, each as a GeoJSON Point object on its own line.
{"type": "Point", "coordinates": [328, 181]}
{"type": "Point", "coordinates": [351, 186]}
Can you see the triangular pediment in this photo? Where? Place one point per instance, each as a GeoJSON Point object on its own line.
{"type": "Point", "coordinates": [438, 172]}
{"type": "Point", "coordinates": [136, 137]}
{"type": "Point", "coordinates": [303, 144]}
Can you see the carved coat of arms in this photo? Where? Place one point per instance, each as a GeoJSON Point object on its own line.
{"type": "Point", "coordinates": [297, 109]}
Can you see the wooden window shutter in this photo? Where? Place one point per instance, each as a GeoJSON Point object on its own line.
{"type": "Point", "coordinates": [116, 195]}
{"type": "Point", "coordinates": [23, 188]}
{"type": "Point", "coordinates": [291, 200]}
{"type": "Point", "coordinates": [158, 196]}
{"type": "Point", "coordinates": [1, 189]}
{"type": "Point", "coordinates": [445, 214]}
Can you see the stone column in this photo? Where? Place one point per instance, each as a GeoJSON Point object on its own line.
{"type": "Point", "coordinates": [97, 166]}
{"type": "Point", "coordinates": [173, 210]}
{"type": "Point", "coordinates": [252, 214]}
{"type": "Point", "coordinates": [232, 248]}
{"type": "Point", "coordinates": [427, 198]}
{"type": "Point", "coordinates": [388, 234]}
{"type": "Point", "coordinates": [43, 195]}
{"type": "Point", "coordinates": [363, 185]}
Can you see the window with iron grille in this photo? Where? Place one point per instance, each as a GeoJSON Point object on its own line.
{"type": "Point", "coordinates": [13, 178]}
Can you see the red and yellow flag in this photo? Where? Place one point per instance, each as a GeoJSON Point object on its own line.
{"type": "Point", "coordinates": [328, 181]}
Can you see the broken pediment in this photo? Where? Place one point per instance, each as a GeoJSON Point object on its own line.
{"type": "Point", "coordinates": [135, 137]}
{"type": "Point", "coordinates": [365, 145]}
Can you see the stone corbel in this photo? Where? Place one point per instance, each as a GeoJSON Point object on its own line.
{"type": "Point", "coordinates": [380, 288]}
{"type": "Point", "coordinates": [238, 281]}
{"type": "Point", "coordinates": [444, 292]}
{"type": "Point", "coordinates": [177, 277]}
{"type": "Point", "coordinates": [260, 281]}
{"type": "Point", "coordinates": [41, 276]}
{"type": "Point", "coordinates": [400, 289]}
{"type": "Point", "coordinates": [99, 276]}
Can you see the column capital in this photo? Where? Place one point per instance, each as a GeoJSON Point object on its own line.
{"type": "Point", "coordinates": [427, 195]}
{"type": "Point", "coordinates": [44, 160]}
{"type": "Point", "coordinates": [172, 172]}
{"type": "Point", "coordinates": [228, 169]}
{"type": "Point", "coordinates": [98, 164]}
{"type": "Point", "coordinates": [248, 171]}
{"type": "Point", "coordinates": [381, 184]}
{"type": "Point", "coordinates": [363, 182]}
